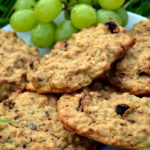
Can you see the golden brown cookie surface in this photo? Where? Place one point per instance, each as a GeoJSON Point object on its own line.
{"type": "Point", "coordinates": [15, 56]}
{"type": "Point", "coordinates": [37, 127]}
{"type": "Point", "coordinates": [74, 64]}
{"type": "Point", "coordinates": [115, 119]}
{"type": "Point", "coordinates": [132, 73]}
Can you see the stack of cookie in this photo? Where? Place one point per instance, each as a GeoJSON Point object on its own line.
{"type": "Point", "coordinates": [36, 125]}
{"type": "Point", "coordinates": [94, 86]}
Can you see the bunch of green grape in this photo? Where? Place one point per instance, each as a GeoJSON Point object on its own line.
{"type": "Point", "coordinates": [40, 17]}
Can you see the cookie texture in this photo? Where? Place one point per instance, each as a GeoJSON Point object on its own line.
{"type": "Point", "coordinates": [141, 27]}
{"type": "Point", "coordinates": [116, 119]}
{"type": "Point", "coordinates": [37, 127]}
{"type": "Point", "coordinates": [73, 64]}
{"type": "Point", "coordinates": [15, 56]}
{"type": "Point", "coordinates": [132, 73]}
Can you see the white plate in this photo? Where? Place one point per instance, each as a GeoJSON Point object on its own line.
{"type": "Point", "coordinates": [133, 18]}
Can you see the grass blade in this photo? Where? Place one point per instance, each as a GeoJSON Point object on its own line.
{"type": "Point", "coordinates": [7, 121]}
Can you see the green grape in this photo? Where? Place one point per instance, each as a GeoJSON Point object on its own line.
{"type": "Point", "coordinates": [123, 14]}
{"type": "Point", "coordinates": [83, 15]}
{"type": "Point", "coordinates": [43, 34]}
{"type": "Point", "coordinates": [104, 15]}
{"type": "Point", "coordinates": [64, 30]}
{"type": "Point", "coordinates": [47, 10]}
{"type": "Point", "coordinates": [24, 4]}
{"type": "Point", "coordinates": [89, 2]}
{"type": "Point", "coordinates": [23, 20]}
{"type": "Point", "coordinates": [111, 4]}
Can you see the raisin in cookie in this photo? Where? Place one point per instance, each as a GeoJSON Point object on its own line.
{"type": "Point", "coordinates": [15, 56]}
{"type": "Point", "coordinates": [132, 73]}
{"type": "Point", "coordinates": [73, 64]}
{"type": "Point", "coordinates": [116, 119]}
{"type": "Point", "coordinates": [37, 127]}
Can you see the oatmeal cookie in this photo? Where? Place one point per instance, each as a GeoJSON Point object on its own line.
{"type": "Point", "coordinates": [75, 63]}
{"type": "Point", "coordinates": [141, 27]}
{"type": "Point", "coordinates": [132, 73]}
{"type": "Point", "coordinates": [116, 119]}
{"type": "Point", "coordinates": [15, 56]}
{"type": "Point", "coordinates": [37, 126]}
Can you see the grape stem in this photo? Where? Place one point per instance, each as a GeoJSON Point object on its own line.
{"type": "Point", "coordinates": [128, 3]}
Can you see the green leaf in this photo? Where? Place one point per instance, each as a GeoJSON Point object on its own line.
{"type": "Point", "coordinates": [7, 121]}
{"type": "Point", "coordinates": [3, 21]}
{"type": "Point", "coordinates": [141, 7]}
{"type": "Point", "coordinates": [145, 149]}
{"type": "Point", "coordinates": [2, 8]}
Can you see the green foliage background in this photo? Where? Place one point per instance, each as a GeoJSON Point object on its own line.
{"type": "Point", "coordinates": [5, 11]}
{"type": "Point", "coordinates": [141, 7]}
